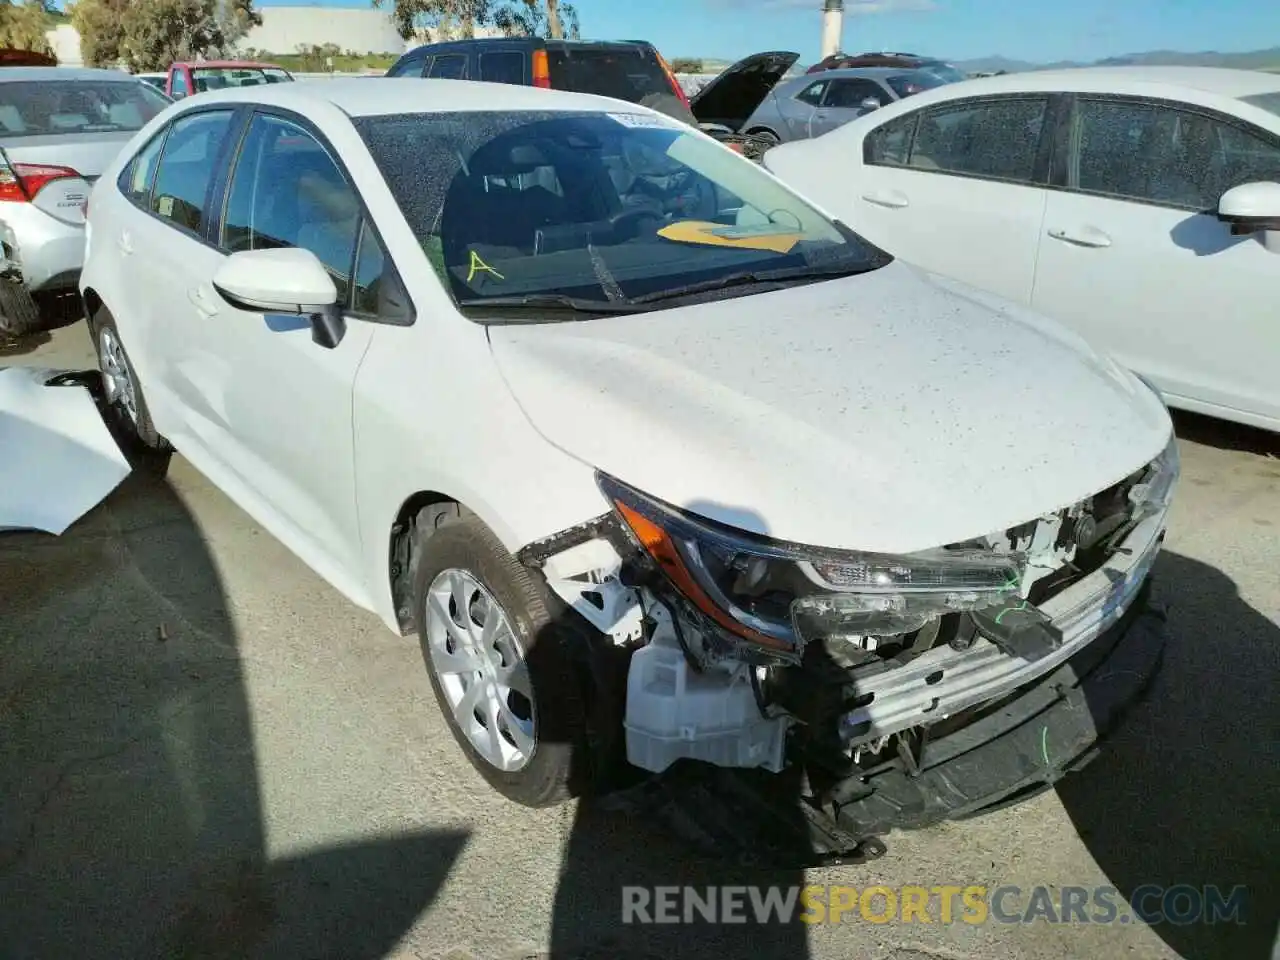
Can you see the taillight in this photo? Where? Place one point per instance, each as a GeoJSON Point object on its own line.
{"type": "Point", "coordinates": [671, 78]}
{"type": "Point", "coordinates": [541, 70]}
{"type": "Point", "coordinates": [20, 182]}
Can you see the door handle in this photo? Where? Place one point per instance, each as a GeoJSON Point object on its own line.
{"type": "Point", "coordinates": [891, 199]}
{"type": "Point", "coordinates": [125, 242]}
{"type": "Point", "coordinates": [201, 301]}
{"type": "Point", "coordinates": [1081, 236]}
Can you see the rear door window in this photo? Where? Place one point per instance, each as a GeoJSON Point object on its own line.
{"type": "Point", "coordinates": [849, 92]}
{"type": "Point", "coordinates": [998, 139]}
{"type": "Point", "coordinates": [506, 66]}
{"type": "Point", "coordinates": [812, 94]}
{"type": "Point", "coordinates": [408, 68]}
{"type": "Point", "coordinates": [452, 66]}
{"type": "Point", "coordinates": [186, 169]}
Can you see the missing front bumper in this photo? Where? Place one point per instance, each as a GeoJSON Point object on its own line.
{"type": "Point", "coordinates": [998, 754]}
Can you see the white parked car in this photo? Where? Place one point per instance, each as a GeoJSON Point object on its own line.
{"type": "Point", "coordinates": [653, 455]}
{"type": "Point", "coordinates": [1139, 206]}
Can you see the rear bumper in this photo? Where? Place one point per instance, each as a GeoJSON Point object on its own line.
{"type": "Point", "coordinates": [1023, 744]}
{"type": "Point", "coordinates": [39, 251]}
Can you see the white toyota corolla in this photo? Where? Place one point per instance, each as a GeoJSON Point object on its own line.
{"type": "Point", "coordinates": [652, 455]}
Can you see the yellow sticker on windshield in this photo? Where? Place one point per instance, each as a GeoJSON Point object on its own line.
{"type": "Point", "coordinates": [744, 238]}
{"type": "Point", "coordinates": [479, 266]}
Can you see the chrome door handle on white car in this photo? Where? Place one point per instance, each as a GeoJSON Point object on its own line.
{"type": "Point", "coordinates": [1081, 237]}
{"type": "Point", "coordinates": [207, 306]}
{"type": "Point", "coordinates": [125, 243]}
{"type": "Point", "coordinates": [891, 199]}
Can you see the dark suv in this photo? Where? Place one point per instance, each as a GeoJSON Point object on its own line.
{"type": "Point", "coordinates": [630, 70]}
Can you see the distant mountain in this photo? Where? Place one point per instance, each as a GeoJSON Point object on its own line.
{"type": "Point", "coordinates": [1268, 59]}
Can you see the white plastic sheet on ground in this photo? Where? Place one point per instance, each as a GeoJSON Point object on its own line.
{"type": "Point", "coordinates": [57, 458]}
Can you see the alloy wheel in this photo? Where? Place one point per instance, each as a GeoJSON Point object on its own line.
{"type": "Point", "coordinates": [481, 669]}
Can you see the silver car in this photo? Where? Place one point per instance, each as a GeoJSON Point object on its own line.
{"type": "Point", "coordinates": [59, 128]}
{"type": "Point", "coordinates": [816, 103]}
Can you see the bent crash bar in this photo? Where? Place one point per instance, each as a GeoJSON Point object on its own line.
{"type": "Point", "coordinates": [945, 681]}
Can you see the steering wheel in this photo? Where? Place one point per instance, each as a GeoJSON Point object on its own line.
{"type": "Point", "coordinates": [633, 215]}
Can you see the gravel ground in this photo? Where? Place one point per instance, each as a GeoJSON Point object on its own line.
{"type": "Point", "coordinates": [207, 752]}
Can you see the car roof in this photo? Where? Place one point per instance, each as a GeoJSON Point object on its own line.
{"type": "Point", "coordinates": [63, 73]}
{"type": "Point", "coordinates": [869, 72]}
{"type": "Point", "coordinates": [223, 64]}
{"type": "Point", "coordinates": [381, 96]}
{"type": "Point", "coordinates": [1216, 81]}
{"type": "Point", "coordinates": [472, 43]}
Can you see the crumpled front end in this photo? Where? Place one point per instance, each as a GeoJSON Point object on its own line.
{"type": "Point", "coordinates": [749, 653]}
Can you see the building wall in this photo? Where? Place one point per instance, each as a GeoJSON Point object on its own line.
{"type": "Point", "coordinates": [285, 29]}
{"type": "Point", "coordinates": [64, 41]}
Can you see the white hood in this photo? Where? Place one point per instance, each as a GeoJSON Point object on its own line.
{"type": "Point", "coordinates": [894, 411]}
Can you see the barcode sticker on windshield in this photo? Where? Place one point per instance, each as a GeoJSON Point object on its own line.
{"type": "Point", "coordinates": [641, 120]}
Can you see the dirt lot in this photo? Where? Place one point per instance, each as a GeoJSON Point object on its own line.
{"type": "Point", "coordinates": [206, 752]}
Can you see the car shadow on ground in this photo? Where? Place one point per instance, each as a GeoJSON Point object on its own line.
{"type": "Point", "coordinates": [131, 821]}
{"type": "Point", "coordinates": [1225, 435]}
{"type": "Point", "coordinates": [1184, 792]}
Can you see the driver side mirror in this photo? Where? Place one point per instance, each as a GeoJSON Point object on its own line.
{"type": "Point", "coordinates": [1253, 208]}
{"type": "Point", "coordinates": [288, 281]}
{"type": "Point", "coordinates": [869, 104]}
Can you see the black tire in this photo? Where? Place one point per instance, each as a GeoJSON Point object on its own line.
{"type": "Point", "coordinates": [19, 313]}
{"type": "Point", "coordinates": [765, 136]}
{"type": "Point", "coordinates": [558, 768]}
{"type": "Point", "coordinates": [147, 447]}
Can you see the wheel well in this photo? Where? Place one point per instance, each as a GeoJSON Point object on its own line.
{"type": "Point", "coordinates": [402, 559]}
{"type": "Point", "coordinates": [768, 130]}
{"type": "Point", "coordinates": [92, 302]}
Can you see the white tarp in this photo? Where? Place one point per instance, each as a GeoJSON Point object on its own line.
{"type": "Point", "coordinates": [57, 458]}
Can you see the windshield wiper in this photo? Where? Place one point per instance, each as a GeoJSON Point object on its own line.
{"type": "Point", "coordinates": [750, 277]}
{"type": "Point", "coordinates": [554, 300]}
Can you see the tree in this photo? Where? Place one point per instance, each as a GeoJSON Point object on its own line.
{"type": "Point", "coordinates": [537, 18]}
{"type": "Point", "coordinates": [23, 25]}
{"type": "Point", "coordinates": [460, 18]}
{"type": "Point", "coordinates": [100, 24]}
{"type": "Point", "coordinates": [686, 65]}
{"type": "Point", "coordinates": [451, 17]}
{"type": "Point", "coordinates": [152, 34]}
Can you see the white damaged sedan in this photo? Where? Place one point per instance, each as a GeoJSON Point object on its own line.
{"type": "Point", "coordinates": [654, 457]}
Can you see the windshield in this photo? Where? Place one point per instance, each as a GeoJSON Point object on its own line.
{"type": "Point", "coordinates": [918, 81]}
{"type": "Point", "coordinates": [220, 78]}
{"type": "Point", "coordinates": [606, 208]}
{"type": "Point", "coordinates": [944, 72]}
{"type": "Point", "coordinates": [1267, 101]}
{"type": "Point", "coordinates": [40, 108]}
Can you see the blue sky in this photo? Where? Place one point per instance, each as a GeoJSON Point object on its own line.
{"type": "Point", "coordinates": [1038, 30]}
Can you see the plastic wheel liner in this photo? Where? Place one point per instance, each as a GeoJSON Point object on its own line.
{"type": "Point", "coordinates": [57, 458]}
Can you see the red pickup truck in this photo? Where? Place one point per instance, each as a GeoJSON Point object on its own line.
{"type": "Point", "coordinates": [197, 76]}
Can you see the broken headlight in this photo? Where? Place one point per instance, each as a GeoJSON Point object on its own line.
{"type": "Point", "coordinates": [782, 595]}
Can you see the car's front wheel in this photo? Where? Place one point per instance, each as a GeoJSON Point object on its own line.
{"type": "Point", "coordinates": [122, 393]}
{"type": "Point", "coordinates": [499, 660]}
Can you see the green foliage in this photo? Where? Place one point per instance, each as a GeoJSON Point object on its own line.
{"type": "Point", "coordinates": [23, 25]}
{"type": "Point", "coordinates": [461, 18]}
{"type": "Point", "coordinates": [533, 18]}
{"type": "Point", "coordinates": [686, 65]}
{"type": "Point", "coordinates": [152, 34]}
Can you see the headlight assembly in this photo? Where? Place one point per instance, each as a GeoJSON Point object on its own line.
{"type": "Point", "coordinates": [780, 595]}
